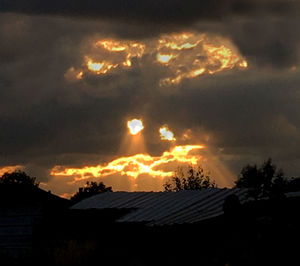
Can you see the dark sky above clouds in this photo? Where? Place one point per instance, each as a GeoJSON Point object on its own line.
{"type": "Point", "coordinates": [243, 116]}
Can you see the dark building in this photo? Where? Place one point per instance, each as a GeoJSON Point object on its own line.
{"type": "Point", "coordinates": [165, 228]}
{"type": "Point", "coordinates": [21, 208]}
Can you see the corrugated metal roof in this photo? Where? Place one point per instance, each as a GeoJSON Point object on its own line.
{"type": "Point", "coordinates": [159, 208]}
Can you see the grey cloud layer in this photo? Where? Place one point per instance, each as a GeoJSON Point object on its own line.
{"type": "Point", "coordinates": [170, 11]}
{"type": "Point", "coordinates": [46, 120]}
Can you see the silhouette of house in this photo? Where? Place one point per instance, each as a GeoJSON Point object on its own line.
{"type": "Point", "coordinates": [190, 228]}
{"type": "Point", "coordinates": [172, 228]}
{"type": "Point", "coordinates": [121, 227]}
{"type": "Point", "coordinates": [20, 208]}
{"type": "Point", "coordinates": [163, 208]}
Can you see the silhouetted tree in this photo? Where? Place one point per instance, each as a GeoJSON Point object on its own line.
{"type": "Point", "coordinates": [265, 181]}
{"type": "Point", "coordinates": [90, 189]}
{"type": "Point", "coordinates": [18, 178]}
{"type": "Point", "coordinates": [193, 179]}
{"type": "Point", "coordinates": [293, 184]}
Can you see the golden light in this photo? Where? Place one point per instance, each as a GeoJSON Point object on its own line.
{"type": "Point", "coordinates": [10, 169]}
{"type": "Point", "coordinates": [195, 54]}
{"type": "Point", "coordinates": [100, 67]}
{"type": "Point", "coordinates": [222, 58]}
{"type": "Point", "coordinates": [126, 50]}
{"type": "Point", "coordinates": [127, 63]}
{"type": "Point", "coordinates": [111, 45]}
{"type": "Point", "coordinates": [135, 165]}
{"type": "Point", "coordinates": [94, 66]}
{"type": "Point", "coordinates": [180, 77]}
{"type": "Point", "coordinates": [135, 126]}
{"type": "Point", "coordinates": [164, 58]}
{"type": "Point", "coordinates": [166, 134]}
{"type": "Point", "coordinates": [178, 41]}
{"type": "Point", "coordinates": [197, 72]}
{"type": "Point", "coordinates": [184, 55]}
{"type": "Point", "coordinates": [79, 75]}
{"type": "Point", "coordinates": [243, 64]}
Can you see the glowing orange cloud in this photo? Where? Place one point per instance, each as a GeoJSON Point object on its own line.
{"type": "Point", "coordinates": [178, 41]}
{"type": "Point", "coordinates": [111, 45]}
{"type": "Point", "coordinates": [184, 55]}
{"type": "Point", "coordinates": [9, 169]}
{"type": "Point", "coordinates": [79, 75]}
{"type": "Point", "coordinates": [120, 54]}
{"type": "Point", "coordinates": [195, 54]}
{"type": "Point", "coordinates": [100, 67]}
{"type": "Point", "coordinates": [166, 134]}
{"type": "Point", "coordinates": [135, 165]}
{"type": "Point", "coordinates": [243, 64]}
{"type": "Point", "coordinates": [164, 58]}
{"type": "Point", "coordinates": [135, 126]}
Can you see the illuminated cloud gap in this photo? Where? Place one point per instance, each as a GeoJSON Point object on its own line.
{"type": "Point", "coordinates": [135, 165]}
{"type": "Point", "coordinates": [185, 55]}
{"type": "Point", "coordinates": [166, 134]}
{"type": "Point", "coordinates": [135, 126]}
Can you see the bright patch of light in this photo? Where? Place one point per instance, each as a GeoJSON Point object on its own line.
{"type": "Point", "coordinates": [79, 75]}
{"type": "Point", "coordinates": [243, 64]}
{"type": "Point", "coordinates": [135, 165]}
{"type": "Point", "coordinates": [10, 169]}
{"type": "Point", "coordinates": [196, 54]}
{"type": "Point", "coordinates": [164, 58]}
{"type": "Point", "coordinates": [100, 67]}
{"type": "Point", "coordinates": [166, 134]}
{"type": "Point", "coordinates": [118, 54]}
{"type": "Point", "coordinates": [135, 126]}
{"type": "Point", "coordinates": [184, 55]}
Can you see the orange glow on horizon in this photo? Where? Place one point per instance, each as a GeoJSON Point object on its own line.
{"type": "Point", "coordinates": [135, 165]}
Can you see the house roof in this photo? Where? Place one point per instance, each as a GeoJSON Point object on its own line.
{"type": "Point", "coordinates": [161, 208]}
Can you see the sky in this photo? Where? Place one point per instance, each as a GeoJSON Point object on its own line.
{"type": "Point", "coordinates": [214, 83]}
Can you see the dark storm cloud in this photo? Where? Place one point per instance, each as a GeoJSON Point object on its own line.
{"type": "Point", "coordinates": [46, 120]}
{"type": "Point", "coordinates": [39, 108]}
{"type": "Point", "coordinates": [253, 115]}
{"type": "Point", "coordinates": [267, 42]}
{"type": "Point", "coordinates": [266, 31]}
{"type": "Point", "coordinates": [171, 11]}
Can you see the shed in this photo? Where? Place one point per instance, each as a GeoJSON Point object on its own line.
{"type": "Point", "coordinates": [163, 208]}
{"type": "Point", "coordinates": [20, 208]}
